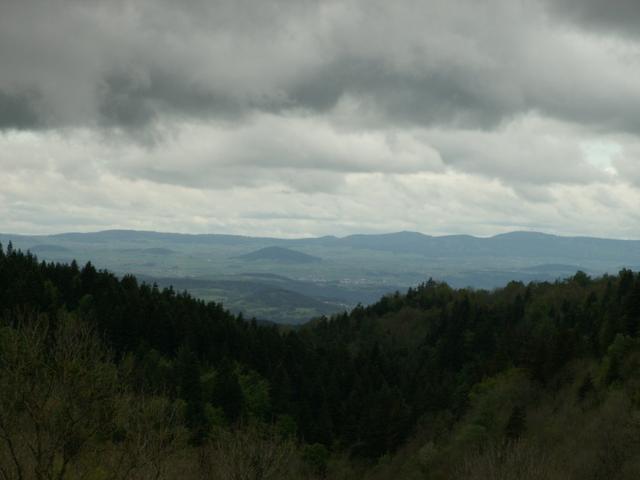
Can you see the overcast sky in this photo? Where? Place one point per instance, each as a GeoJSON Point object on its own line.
{"type": "Point", "coordinates": [297, 118]}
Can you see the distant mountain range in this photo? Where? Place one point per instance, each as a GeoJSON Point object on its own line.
{"type": "Point", "coordinates": [292, 280]}
{"type": "Point", "coordinates": [522, 244]}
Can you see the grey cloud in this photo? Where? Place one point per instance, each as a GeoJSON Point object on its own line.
{"type": "Point", "coordinates": [126, 101]}
{"type": "Point", "coordinates": [451, 96]}
{"type": "Point", "coordinates": [523, 153]}
{"type": "Point", "coordinates": [232, 177]}
{"type": "Point", "coordinates": [269, 215]}
{"type": "Point", "coordinates": [443, 98]}
{"type": "Point", "coordinates": [457, 64]}
{"type": "Point", "coordinates": [306, 154]}
{"type": "Point", "coordinates": [611, 16]}
{"type": "Point", "coordinates": [432, 202]}
{"type": "Point", "coordinates": [18, 111]}
{"type": "Point", "coordinates": [410, 109]}
{"type": "Point", "coordinates": [627, 163]}
{"type": "Point", "coordinates": [456, 72]}
{"type": "Point", "coordinates": [454, 98]}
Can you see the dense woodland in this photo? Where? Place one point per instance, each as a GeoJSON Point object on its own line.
{"type": "Point", "coordinates": [105, 377]}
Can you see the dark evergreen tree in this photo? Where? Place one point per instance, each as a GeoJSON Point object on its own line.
{"type": "Point", "coordinates": [357, 379]}
{"type": "Point", "coordinates": [188, 372]}
{"type": "Point", "coordinates": [227, 393]}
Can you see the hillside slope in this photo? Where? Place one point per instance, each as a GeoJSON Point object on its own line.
{"type": "Point", "coordinates": [435, 383]}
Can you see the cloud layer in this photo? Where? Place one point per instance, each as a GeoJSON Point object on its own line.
{"type": "Point", "coordinates": [308, 118]}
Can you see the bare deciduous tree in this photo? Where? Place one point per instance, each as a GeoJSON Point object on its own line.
{"type": "Point", "coordinates": [57, 391]}
{"type": "Point", "coordinates": [248, 454]}
{"type": "Point", "coordinates": [64, 413]}
{"type": "Point", "coordinates": [516, 460]}
{"type": "Point", "coordinates": [148, 435]}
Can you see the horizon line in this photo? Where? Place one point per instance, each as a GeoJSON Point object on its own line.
{"type": "Point", "coordinates": [267, 237]}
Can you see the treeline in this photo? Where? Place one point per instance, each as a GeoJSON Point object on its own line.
{"type": "Point", "coordinates": [413, 371]}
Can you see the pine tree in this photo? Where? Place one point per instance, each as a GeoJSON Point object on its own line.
{"type": "Point", "coordinates": [227, 393]}
{"type": "Point", "coordinates": [188, 369]}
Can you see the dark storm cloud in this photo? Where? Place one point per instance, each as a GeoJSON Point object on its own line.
{"type": "Point", "coordinates": [440, 97]}
{"type": "Point", "coordinates": [127, 101]}
{"type": "Point", "coordinates": [444, 97]}
{"type": "Point", "coordinates": [611, 16]}
{"type": "Point", "coordinates": [18, 111]}
{"type": "Point", "coordinates": [461, 64]}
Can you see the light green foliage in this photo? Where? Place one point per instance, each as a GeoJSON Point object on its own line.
{"type": "Point", "coordinates": [255, 391]}
{"type": "Point", "coordinates": [492, 403]}
{"type": "Point", "coordinates": [622, 361]}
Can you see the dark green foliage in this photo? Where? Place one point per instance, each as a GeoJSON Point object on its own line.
{"type": "Point", "coordinates": [188, 371]}
{"type": "Point", "coordinates": [586, 388]}
{"type": "Point", "coordinates": [227, 393]}
{"type": "Point", "coordinates": [316, 458]}
{"type": "Point", "coordinates": [357, 381]}
{"type": "Point", "coordinates": [516, 424]}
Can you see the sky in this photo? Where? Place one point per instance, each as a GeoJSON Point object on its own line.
{"type": "Point", "coordinates": [307, 118]}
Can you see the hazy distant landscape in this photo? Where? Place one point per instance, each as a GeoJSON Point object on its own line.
{"type": "Point", "coordinates": [294, 280]}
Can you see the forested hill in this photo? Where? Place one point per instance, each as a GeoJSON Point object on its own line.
{"type": "Point", "coordinates": [423, 377]}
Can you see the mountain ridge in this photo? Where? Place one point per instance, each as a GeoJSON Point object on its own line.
{"type": "Point", "coordinates": [398, 234]}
